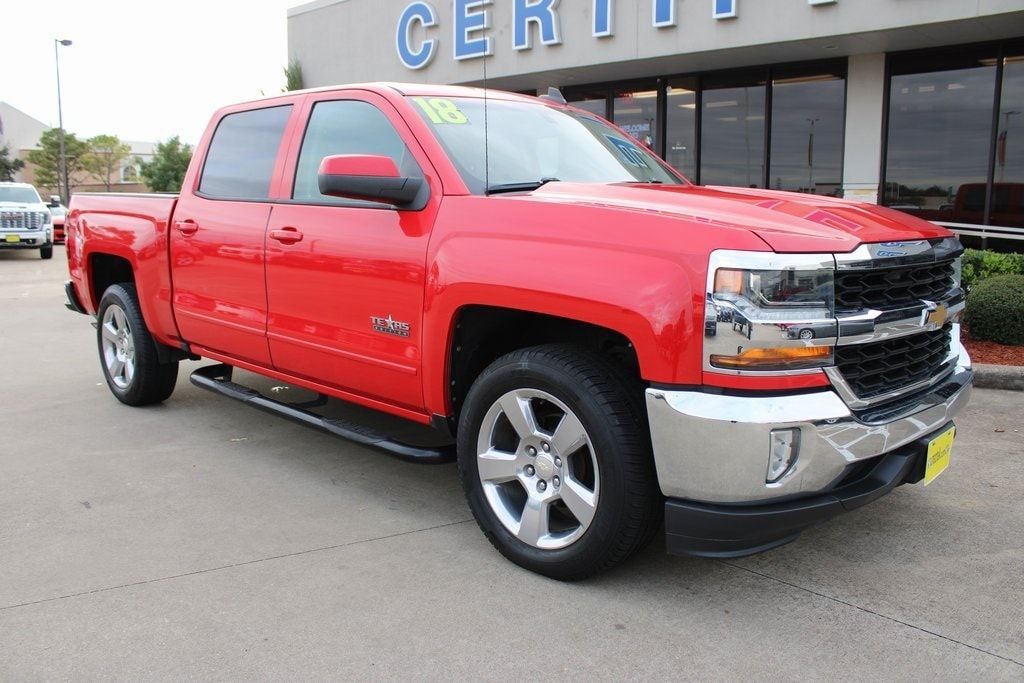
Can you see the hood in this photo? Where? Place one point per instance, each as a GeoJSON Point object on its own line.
{"type": "Point", "coordinates": [22, 206]}
{"type": "Point", "coordinates": [785, 221]}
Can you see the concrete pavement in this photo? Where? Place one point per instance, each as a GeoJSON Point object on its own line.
{"type": "Point", "coordinates": [204, 539]}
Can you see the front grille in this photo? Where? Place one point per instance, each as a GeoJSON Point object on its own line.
{"type": "Point", "coordinates": [890, 288]}
{"type": "Point", "coordinates": [21, 220]}
{"type": "Point", "coordinates": [878, 368]}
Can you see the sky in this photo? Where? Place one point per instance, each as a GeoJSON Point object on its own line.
{"type": "Point", "coordinates": [142, 70]}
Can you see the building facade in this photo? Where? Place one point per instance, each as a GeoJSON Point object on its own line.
{"type": "Point", "coordinates": [915, 104]}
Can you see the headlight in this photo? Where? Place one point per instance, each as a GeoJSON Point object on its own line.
{"type": "Point", "coordinates": [958, 271]}
{"type": "Point", "coordinates": [776, 314]}
{"type": "Point", "coordinates": [47, 218]}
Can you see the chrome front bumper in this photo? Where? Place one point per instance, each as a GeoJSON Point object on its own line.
{"type": "Point", "coordinates": [714, 448]}
{"type": "Point", "coordinates": [33, 239]}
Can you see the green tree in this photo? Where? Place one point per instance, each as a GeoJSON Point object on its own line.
{"type": "Point", "coordinates": [46, 159]}
{"type": "Point", "coordinates": [106, 152]}
{"type": "Point", "coordinates": [9, 166]}
{"type": "Point", "coordinates": [293, 76]}
{"type": "Point", "coordinates": [166, 171]}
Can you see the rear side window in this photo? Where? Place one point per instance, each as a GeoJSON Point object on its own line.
{"type": "Point", "coordinates": [347, 127]}
{"type": "Point", "coordinates": [242, 154]}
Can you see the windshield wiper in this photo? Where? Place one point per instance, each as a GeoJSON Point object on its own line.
{"type": "Point", "coordinates": [520, 187]}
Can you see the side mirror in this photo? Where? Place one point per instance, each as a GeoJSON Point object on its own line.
{"type": "Point", "coordinates": [366, 176]}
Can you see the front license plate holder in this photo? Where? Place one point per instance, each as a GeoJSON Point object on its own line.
{"type": "Point", "coordinates": [938, 455]}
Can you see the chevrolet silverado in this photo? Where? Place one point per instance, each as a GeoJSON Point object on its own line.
{"type": "Point", "coordinates": [606, 347]}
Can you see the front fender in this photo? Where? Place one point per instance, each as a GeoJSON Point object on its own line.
{"type": "Point", "coordinates": [647, 295]}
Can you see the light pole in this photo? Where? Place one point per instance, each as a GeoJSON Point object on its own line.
{"type": "Point", "coordinates": [66, 195]}
{"type": "Point", "coordinates": [810, 156]}
{"type": "Point", "coordinates": [1004, 142]}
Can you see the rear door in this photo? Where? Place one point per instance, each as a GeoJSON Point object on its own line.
{"type": "Point", "coordinates": [346, 301]}
{"type": "Point", "coordinates": [217, 239]}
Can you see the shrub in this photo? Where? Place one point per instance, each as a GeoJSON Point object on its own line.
{"type": "Point", "coordinates": [981, 264]}
{"type": "Point", "coordinates": [995, 310]}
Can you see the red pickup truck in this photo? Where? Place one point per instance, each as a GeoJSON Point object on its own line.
{"type": "Point", "coordinates": [605, 345]}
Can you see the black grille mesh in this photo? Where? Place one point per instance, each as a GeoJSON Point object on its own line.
{"type": "Point", "coordinates": [880, 367]}
{"type": "Point", "coordinates": [888, 288]}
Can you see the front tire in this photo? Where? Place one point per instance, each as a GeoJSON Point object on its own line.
{"type": "Point", "coordinates": [46, 252]}
{"type": "Point", "coordinates": [554, 456]}
{"type": "Point", "coordinates": [128, 354]}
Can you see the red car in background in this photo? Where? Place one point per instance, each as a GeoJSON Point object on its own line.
{"type": "Point", "coordinates": [57, 211]}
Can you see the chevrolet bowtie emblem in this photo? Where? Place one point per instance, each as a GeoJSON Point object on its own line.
{"type": "Point", "coordinates": [934, 314]}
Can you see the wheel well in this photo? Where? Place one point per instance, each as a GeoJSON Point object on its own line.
{"type": "Point", "coordinates": [485, 333]}
{"type": "Point", "coordinates": [106, 270]}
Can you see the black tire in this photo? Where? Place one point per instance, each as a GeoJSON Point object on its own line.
{"type": "Point", "coordinates": [609, 404]}
{"type": "Point", "coordinates": [46, 252]}
{"type": "Point", "coordinates": [152, 381]}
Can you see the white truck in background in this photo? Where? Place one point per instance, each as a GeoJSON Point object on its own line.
{"type": "Point", "coordinates": [25, 220]}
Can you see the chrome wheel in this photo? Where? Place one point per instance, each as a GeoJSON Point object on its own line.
{"type": "Point", "coordinates": [807, 334]}
{"type": "Point", "coordinates": [538, 469]}
{"type": "Point", "coordinates": [118, 346]}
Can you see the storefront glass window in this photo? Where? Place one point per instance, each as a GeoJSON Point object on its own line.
{"type": "Point", "coordinates": [732, 136]}
{"type": "Point", "coordinates": [940, 128]}
{"type": "Point", "coordinates": [1008, 190]}
{"type": "Point", "coordinates": [594, 106]}
{"type": "Point", "coordinates": [681, 126]}
{"type": "Point", "coordinates": [807, 133]}
{"type": "Point", "coordinates": [636, 112]}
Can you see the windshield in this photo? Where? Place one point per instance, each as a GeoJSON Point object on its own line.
{"type": "Point", "coordinates": [529, 144]}
{"type": "Point", "coordinates": [21, 195]}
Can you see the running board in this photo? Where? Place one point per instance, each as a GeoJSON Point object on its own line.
{"type": "Point", "coordinates": [217, 378]}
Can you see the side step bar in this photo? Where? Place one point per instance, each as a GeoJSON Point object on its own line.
{"type": "Point", "coordinates": [217, 378]}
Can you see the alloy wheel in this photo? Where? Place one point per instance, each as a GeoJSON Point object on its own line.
{"type": "Point", "coordinates": [538, 469]}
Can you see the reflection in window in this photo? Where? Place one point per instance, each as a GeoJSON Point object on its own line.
{"type": "Point", "coordinates": [347, 127]}
{"type": "Point", "coordinates": [940, 126]}
{"type": "Point", "coordinates": [732, 136]}
{"type": "Point", "coordinates": [1008, 191]}
{"type": "Point", "coordinates": [594, 100]}
{"type": "Point", "coordinates": [242, 154]}
{"type": "Point", "coordinates": [636, 112]}
{"type": "Point", "coordinates": [597, 106]}
{"type": "Point", "coordinates": [807, 134]}
{"type": "Point", "coordinates": [681, 126]}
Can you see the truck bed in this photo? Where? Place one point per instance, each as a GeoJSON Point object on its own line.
{"type": "Point", "coordinates": [132, 227]}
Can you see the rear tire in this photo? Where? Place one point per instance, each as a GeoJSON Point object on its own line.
{"type": "Point", "coordinates": [563, 503]}
{"type": "Point", "coordinates": [46, 252]}
{"type": "Point", "coordinates": [127, 350]}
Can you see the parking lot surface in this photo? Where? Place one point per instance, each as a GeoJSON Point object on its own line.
{"type": "Point", "coordinates": [204, 539]}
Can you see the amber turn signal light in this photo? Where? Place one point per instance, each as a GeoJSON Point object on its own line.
{"type": "Point", "coordinates": [784, 357]}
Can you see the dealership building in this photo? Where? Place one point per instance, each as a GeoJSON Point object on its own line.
{"type": "Point", "coordinates": [915, 104]}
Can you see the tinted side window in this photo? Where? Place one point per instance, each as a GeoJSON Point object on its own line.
{"type": "Point", "coordinates": [347, 127]}
{"type": "Point", "coordinates": [242, 154]}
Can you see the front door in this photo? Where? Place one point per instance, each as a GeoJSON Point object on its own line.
{"type": "Point", "coordinates": [345, 279]}
{"type": "Point", "coordinates": [217, 239]}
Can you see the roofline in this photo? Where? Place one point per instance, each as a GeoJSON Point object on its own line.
{"type": "Point", "coordinates": [385, 87]}
{"type": "Point", "coordinates": [311, 6]}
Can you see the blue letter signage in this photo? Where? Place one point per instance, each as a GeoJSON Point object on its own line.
{"type": "Point", "coordinates": [603, 24]}
{"type": "Point", "coordinates": [539, 12]}
{"type": "Point", "coordinates": [424, 14]}
{"type": "Point", "coordinates": [471, 17]}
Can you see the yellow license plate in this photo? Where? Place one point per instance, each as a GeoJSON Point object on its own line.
{"type": "Point", "coordinates": [13, 238]}
{"type": "Point", "coordinates": [939, 450]}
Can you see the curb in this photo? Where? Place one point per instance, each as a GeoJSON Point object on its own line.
{"type": "Point", "coordinates": [1009, 377]}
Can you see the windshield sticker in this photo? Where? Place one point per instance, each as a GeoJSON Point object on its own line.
{"type": "Point", "coordinates": [441, 110]}
{"type": "Point", "coordinates": [629, 152]}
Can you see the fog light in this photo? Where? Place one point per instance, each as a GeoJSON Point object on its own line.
{"type": "Point", "coordinates": [785, 445]}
